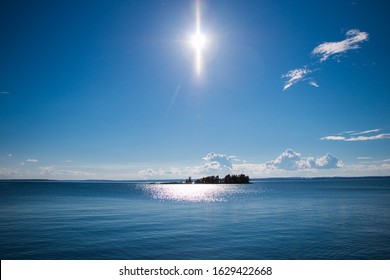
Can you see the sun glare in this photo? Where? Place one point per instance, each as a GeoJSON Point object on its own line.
{"type": "Point", "coordinates": [198, 41]}
{"type": "Point", "coordinates": [188, 192]}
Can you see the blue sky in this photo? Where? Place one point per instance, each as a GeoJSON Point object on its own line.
{"type": "Point", "coordinates": [108, 89]}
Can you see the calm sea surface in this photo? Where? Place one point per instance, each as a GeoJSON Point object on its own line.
{"type": "Point", "coordinates": [270, 219]}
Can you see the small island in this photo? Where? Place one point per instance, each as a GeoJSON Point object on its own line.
{"type": "Point", "coordinates": [229, 179]}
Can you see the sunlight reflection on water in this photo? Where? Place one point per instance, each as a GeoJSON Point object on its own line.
{"type": "Point", "coordinates": [189, 192]}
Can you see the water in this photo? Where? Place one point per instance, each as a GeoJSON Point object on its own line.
{"type": "Point", "coordinates": [270, 219]}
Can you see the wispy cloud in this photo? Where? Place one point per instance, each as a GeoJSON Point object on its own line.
{"type": "Point", "coordinates": [53, 171]}
{"type": "Point", "coordinates": [353, 40]}
{"type": "Point", "coordinates": [8, 173]}
{"type": "Point", "coordinates": [358, 136]}
{"type": "Point", "coordinates": [334, 138]}
{"type": "Point", "coordinates": [382, 169]}
{"type": "Point", "coordinates": [348, 132]}
{"type": "Point", "coordinates": [294, 76]}
{"type": "Point", "coordinates": [31, 160]}
{"type": "Point", "coordinates": [149, 172]}
{"type": "Point", "coordinates": [369, 138]}
{"type": "Point", "coordinates": [48, 172]}
{"type": "Point", "coordinates": [363, 158]}
{"type": "Point", "coordinates": [365, 132]}
{"type": "Point", "coordinates": [4, 92]}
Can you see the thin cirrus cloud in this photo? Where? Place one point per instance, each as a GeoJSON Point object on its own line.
{"type": "Point", "coordinates": [354, 38]}
{"type": "Point", "coordinates": [365, 132]}
{"type": "Point", "coordinates": [294, 76]}
{"type": "Point", "coordinates": [334, 138]}
{"type": "Point", "coordinates": [358, 136]}
{"type": "Point", "coordinates": [52, 171]}
{"type": "Point", "coordinates": [368, 138]}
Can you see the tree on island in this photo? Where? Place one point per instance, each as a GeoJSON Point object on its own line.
{"type": "Point", "coordinates": [189, 180]}
{"type": "Point", "coordinates": [229, 179]}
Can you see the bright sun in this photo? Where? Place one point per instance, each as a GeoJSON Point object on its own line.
{"type": "Point", "coordinates": [198, 41]}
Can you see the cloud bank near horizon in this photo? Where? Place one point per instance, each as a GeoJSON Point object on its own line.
{"type": "Point", "coordinates": [290, 160]}
{"type": "Point", "coordinates": [221, 164]}
{"type": "Point", "coordinates": [289, 163]}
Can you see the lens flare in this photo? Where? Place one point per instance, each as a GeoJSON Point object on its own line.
{"type": "Point", "coordinates": [198, 41]}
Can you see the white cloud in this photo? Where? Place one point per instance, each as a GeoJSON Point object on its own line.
{"type": "Point", "coordinates": [366, 170]}
{"type": "Point", "coordinates": [222, 160]}
{"type": "Point", "coordinates": [31, 160]}
{"type": "Point", "coordinates": [353, 40]}
{"type": "Point", "coordinates": [10, 155]}
{"type": "Point", "coordinates": [358, 136]}
{"type": "Point", "coordinates": [255, 169]}
{"type": "Point", "coordinates": [50, 171]}
{"type": "Point", "coordinates": [213, 165]}
{"type": "Point", "coordinates": [325, 50]}
{"type": "Point", "coordinates": [294, 76]}
{"type": "Point", "coordinates": [148, 173]}
{"type": "Point", "coordinates": [334, 138]}
{"type": "Point", "coordinates": [290, 160]}
{"type": "Point", "coordinates": [216, 164]}
{"type": "Point", "coordinates": [4, 92]}
{"type": "Point", "coordinates": [8, 173]}
{"type": "Point", "coordinates": [365, 132]}
{"type": "Point", "coordinates": [363, 158]}
{"type": "Point", "coordinates": [368, 138]}
{"type": "Point", "coordinates": [220, 164]}
{"type": "Point", "coordinates": [327, 162]}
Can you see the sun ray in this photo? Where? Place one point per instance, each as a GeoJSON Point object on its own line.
{"type": "Point", "coordinates": [198, 41]}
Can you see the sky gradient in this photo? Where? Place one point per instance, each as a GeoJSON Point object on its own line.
{"type": "Point", "coordinates": [109, 89]}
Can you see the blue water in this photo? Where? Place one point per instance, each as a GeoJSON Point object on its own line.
{"type": "Point", "coordinates": [270, 219]}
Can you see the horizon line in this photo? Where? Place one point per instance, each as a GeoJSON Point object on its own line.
{"type": "Point", "coordinates": [154, 180]}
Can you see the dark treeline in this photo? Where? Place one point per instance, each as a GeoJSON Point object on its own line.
{"type": "Point", "coordinates": [229, 179]}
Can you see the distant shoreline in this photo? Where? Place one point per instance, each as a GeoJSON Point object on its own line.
{"type": "Point", "coordinates": [180, 181]}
